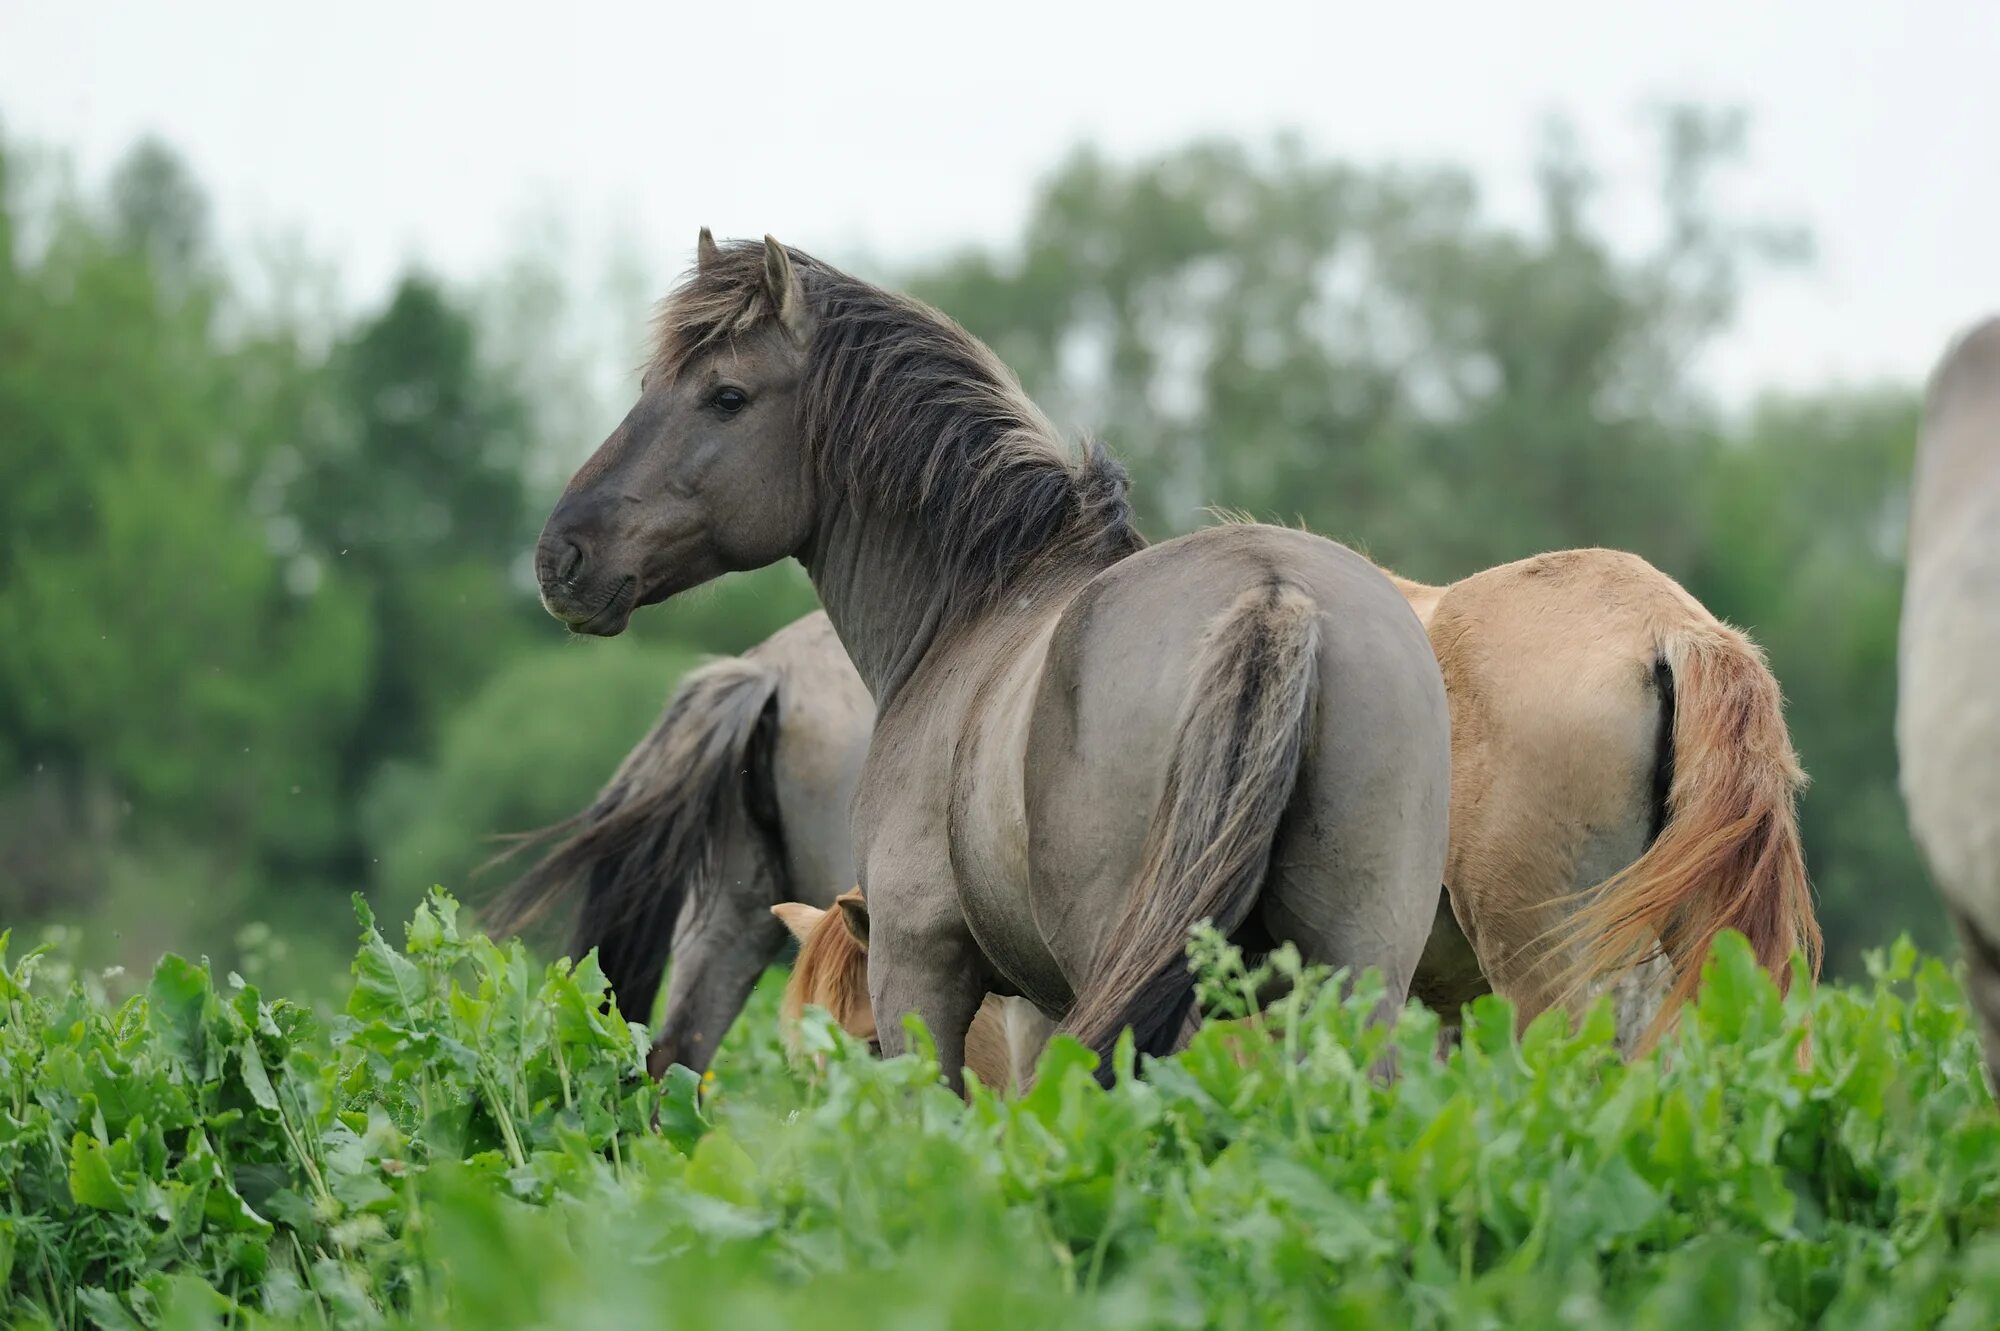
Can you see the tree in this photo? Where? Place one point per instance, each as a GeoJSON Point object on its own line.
{"type": "Point", "coordinates": [153, 661]}
{"type": "Point", "coordinates": [1365, 350]}
{"type": "Point", "coordinates": [1807, 504]}
{"type": "Point", "coordinates": [408, 480]}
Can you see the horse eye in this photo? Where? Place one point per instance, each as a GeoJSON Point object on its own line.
{"type": "Point", "coordinates": [729, 401]}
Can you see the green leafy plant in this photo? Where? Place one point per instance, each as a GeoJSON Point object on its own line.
{"type": "Point", "coordinates": [473, 1142]}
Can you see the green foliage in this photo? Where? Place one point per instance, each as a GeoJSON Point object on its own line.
{"type": "Point", "coordinates": [154, 662]}
{"type": "Point", "coordinates": [472, 1142]}
{"type": "Point", "coordinates": [1806, 551]}
{"type": "Point", "coordinates": [199, 1138]}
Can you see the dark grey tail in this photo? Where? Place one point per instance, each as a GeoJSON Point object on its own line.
{"type": "Point", "coordinates": [647, 842]}
{"type": "Point", "coordinates": [1244, 728]}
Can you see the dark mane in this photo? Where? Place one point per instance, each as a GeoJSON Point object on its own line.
{"type": "Point", "coordinates": [903, 408]}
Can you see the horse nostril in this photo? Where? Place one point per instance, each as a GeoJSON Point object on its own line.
{"type": "Point", "coordinates": [571, 561]}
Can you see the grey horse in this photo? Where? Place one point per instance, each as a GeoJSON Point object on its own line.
{"type": "Point", "coordinates": [1948, 694]}
{"type": "Point", "coordinates": [735, 801]}
{"type": "Point", "coordinates": [1083, 746]}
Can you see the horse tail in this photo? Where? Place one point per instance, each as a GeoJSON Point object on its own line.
{"type": "Point", "coordinates": [1727, 854]}
{"type": "Point", "coordinates": [1243, 730]}
{"type": "Point", "coordinates": [648, 840]}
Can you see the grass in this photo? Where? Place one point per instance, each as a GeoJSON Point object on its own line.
{"type": "Point", "coordinates": [471, 1142]}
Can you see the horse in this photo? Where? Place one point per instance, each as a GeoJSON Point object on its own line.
{"type": "Point", "coordinates": [736, 800]}
{"type": "Point", "coordinates": [1084, 745]}
{"type": "Point", "coordinates": [1947, 701]}
{"type": "Point", "coordinates": [1623, 788]}
{"type": "Point", "coordinates": [1001, 1045]}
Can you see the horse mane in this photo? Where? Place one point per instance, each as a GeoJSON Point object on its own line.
{"type": "Point", "coordinates": [904, 410]}
{"type": "Point", "coordinates": [831, 971]}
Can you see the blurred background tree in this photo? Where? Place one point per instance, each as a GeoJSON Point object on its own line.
{"type": "Point", "coordinates": [266, 630]}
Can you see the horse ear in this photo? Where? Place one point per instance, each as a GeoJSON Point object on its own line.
{"type": "Point", "coordinates": [854, 914]}
{"type": "Point", "coordinates": [705, 251]}
{"type": "Point", "coordinates": [788, 298]}
{"type": "Point", "coordinates": [800, 918]}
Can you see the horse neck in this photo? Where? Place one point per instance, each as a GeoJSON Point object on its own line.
{"type": "Point", "coordinates": [878, 579]}
{"type": "Point", "coordinates": [890, 600]}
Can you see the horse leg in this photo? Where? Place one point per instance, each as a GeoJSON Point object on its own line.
{"type": "Point", "coordinates": [1028, 1032]}
{"type": "Point", "coordinates": [1358, 860]}
{"type": "Point", "coordinates": [921, 959]}
{"type": "Point", "coordinates": [726, 941]}
{"type": "Point", "coordinates": [1515, 895]}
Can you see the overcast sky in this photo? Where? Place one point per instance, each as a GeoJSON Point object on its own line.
{"type": "Point", "coordinates": [390, 132]}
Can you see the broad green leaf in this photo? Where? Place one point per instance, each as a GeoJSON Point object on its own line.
{"type": "Point", "coordinates": [94, 1170]}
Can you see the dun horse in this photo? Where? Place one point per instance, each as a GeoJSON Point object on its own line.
{"type": "Point", "coordinates": [1605, 727]}
{"type": "Point", "coordinates": [1083, 747]}
{"type": "Point", "coordinates": [1948, 697]}
{"type": "Point", "coordinates": [735, 801]}
{"type": "Point", "coordinates": [1623, 784]}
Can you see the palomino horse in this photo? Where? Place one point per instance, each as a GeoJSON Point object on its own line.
{"type": "Point", "coordinates": [1623, 784]}
{"type": "Point", "coordinates": [1083, 747]}
{"type": "Point", "coordinates": [736, 800]}
{"type": "Point", "coordinates": [1948, 698]}
{"type": "Point", "coordinates": [1622, 787]}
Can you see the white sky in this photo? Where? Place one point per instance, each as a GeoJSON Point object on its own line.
{"type": "Point", "coordinates": [389, 132]}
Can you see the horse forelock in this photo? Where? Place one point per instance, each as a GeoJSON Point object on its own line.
{"type": "Point", "coordinates": [903, 408]}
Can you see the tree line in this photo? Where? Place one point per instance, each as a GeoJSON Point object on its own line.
{"type": "Point", "coordinates": [266, 635]}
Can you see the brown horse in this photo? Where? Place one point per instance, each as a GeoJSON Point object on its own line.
{"type": "Point", "coordinates": [1948, 697]}
{"type": "Point", "coordinates": [1622, 786]}
{"type": "Point", "coordinates": [736, 800]}
{"type": "Point", "coordinates": [1083, 747]}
